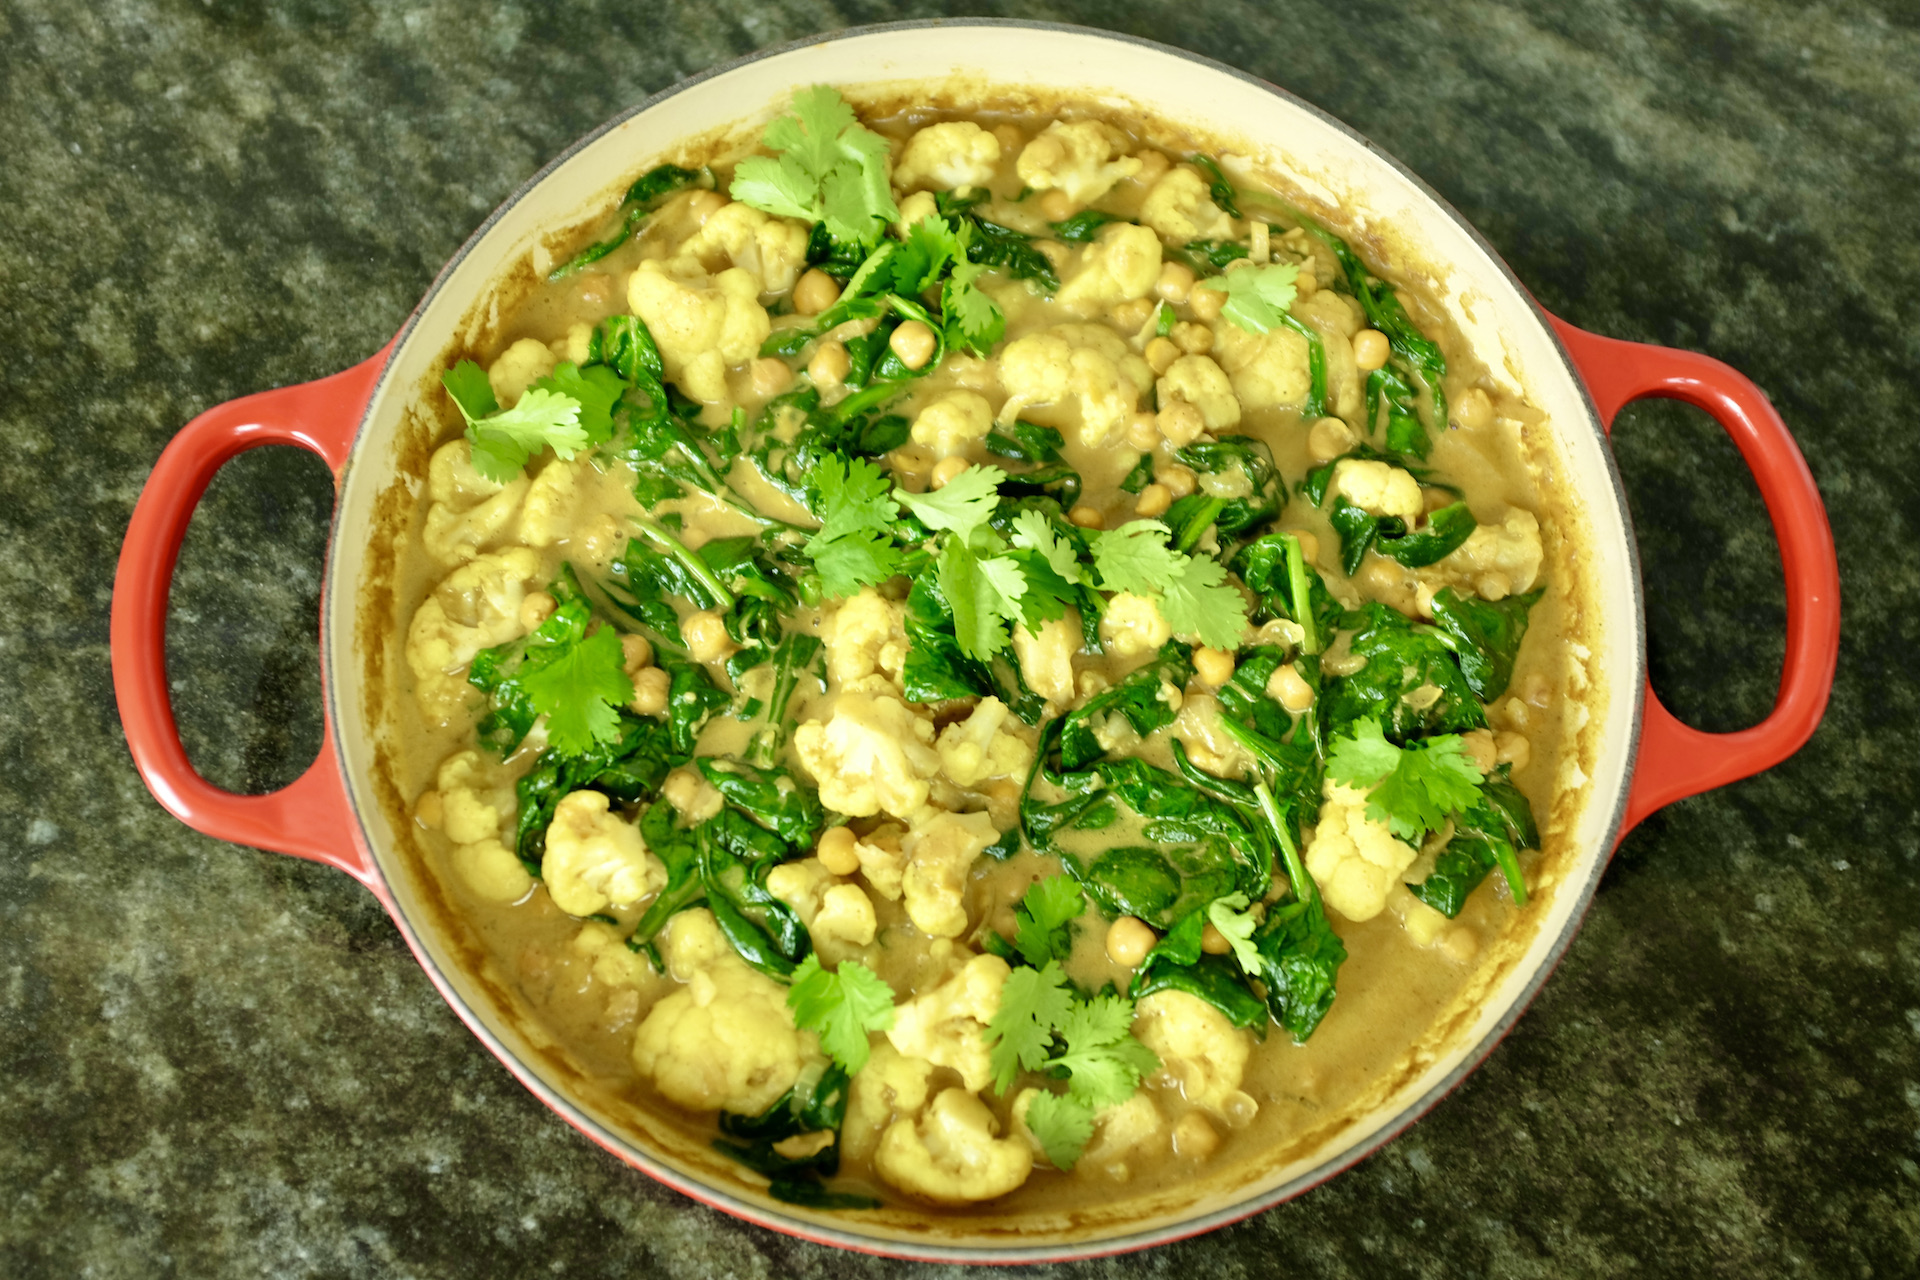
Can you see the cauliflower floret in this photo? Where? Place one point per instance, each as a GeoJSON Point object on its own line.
{"type": "Point", "coordinates": [873, 754]}
{"type": "Point", "coordinates": [1133, 625]}
{"type": "Point", "coordinates": [577, 346]}
{"type": "Point", "coordinates": [939, 855]}
{"type": "Point", "coordinates": [1208, 745]}
{"type": "Point", "coordinates": [1337, 318]}
{"type": "Point", "coordinates": [1422, 923]}
{"type": "Point", "coordinates": [1205, 386]}
{"type": "Point", "coordinates": [1121, 1133]}
{"type": "Point", "coordinates": [726, 1040]}
{"type": "Point", "coordinates": [1046, 656]}
{"type": "Point", "coordinates": [1121, 264]}
{"type": "Point", "coordinates": [1380, 487]}
{"type": "Point", "coordinates": [701, 328]}
{"type": "Point", "coordinates": [866, 637]}
{"type": "Point", "coordinates": [1085, 364]}
{"type": "Point", "coordinates": [1496, 560]}
{"type": "Point", "coordinates": [472, 805]}
{"type": "Point", "coordinates": [551, 503]}
{"type": "Point", "coordinates": [975, 749]}
{"type": "Point", "coordinates": [614, 963]}
{"type": "Point", "coordinates": [1181, 208]}
{"type": "Point", "coordinates": [594, 860]}
{"type": "Point", "coordinates": [492, 871]}
{"type": "Point", "coordinates": [469, 511]}
{"type": "Point", "coordinates": [947, 157]}
{"type": "Point", "coordinates": [519, 367]}
{"type": "Point", "coordinates": [915, 208]}
{"type": "Point", "coordinates": [948, 1025]}
{"type": "Point", "coordinates": [1355, 860]}
{"type": "Point", "coordinates": [951, 1156]}
{"type": "Point", "coordinates": [739, 235]}
{"type": "Point", "coordinates": [1198, 1047]}
{"type": "Point", "coordinates": [952, 422]}
{"type": "Point", "coordinates": [1077, 159]}
{"type": "Point", "coordinates": [1267, 369]}
{"type": "Point", "coordinates": [891, 1086]}
{"type": "Point", "coordinates": [882, 861]}
{"type": "Point", "coordinates": [477, 607]}
{"type": "Point", "coordinates": [838, 916]}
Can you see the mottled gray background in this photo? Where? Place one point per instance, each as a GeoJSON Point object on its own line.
{"type": "Point", "coordinates": [215, 1061]}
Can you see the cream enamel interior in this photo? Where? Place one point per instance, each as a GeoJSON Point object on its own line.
{"type": "Point", "coordinates": [1411, 231]}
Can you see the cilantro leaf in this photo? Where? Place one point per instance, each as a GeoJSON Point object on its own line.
{"type": "Point", "coordinates": [1235, 922]}
{"type": "Point", "coordinates": [828, 169]}
{"type": "Point", "coordinates": [842, 1006]}
{"type": "Point", "coordinates": [467, 383]}
{"type": "Point", "coordinates": [1063, 1125]}
{"type": "Point", "coordinates": [1413, 788]}
{"type": "Point", "coordinates": [579, 691]}
{"type": "Point", "coordinates": [973, 320]}
{"type": "Point", "coordinates": [1041, 919]}
{"type": "Point", "coordinates": [983, 594]}
{"type": "Point", "coordinates": [1136, 558]}
{"type": "Point", "coordinates": [1257, 297]}
{"type": "Point", "coordinates": [596, 389]}
{"type": "Point", "coordinates": [1032, 531]}
{"type": "Point", "coordinates": [1200, 602]}
{"type": "Point", "coordinates": [966, 503]}
{"type": "Point", "coordinates": [930, 245]}
{"type": "Point", "coordinates": [1103, 1061]}
{"type": "Point", "coordinates": [854, 547]}
{"type": "Point", "coordinates": [1032, 1004]}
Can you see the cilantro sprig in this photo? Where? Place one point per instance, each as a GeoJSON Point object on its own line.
{"type": "Point", "coordinates": [1413, 789]}
{"type": "Point", "coordinates": [1044, 1025]}
{"type": "Point", "coordinates": [842, 1006]}
{"type": "Point", "coordinates": [1257, 297]}
{"type": "Point", "coordinates": [1194, 594]}
{"type": "Point", "coordinates": [827, 168]}
{"type": "Point", "coordinates": [854, 547]}
{"type": "Point", "coordinates": [546, 416]}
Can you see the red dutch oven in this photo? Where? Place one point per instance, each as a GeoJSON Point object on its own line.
{"type": "Point", "coordinates": [1633, 755]}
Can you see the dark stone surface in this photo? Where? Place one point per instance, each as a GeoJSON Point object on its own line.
{"type": "Point", "coordinates": [215, 1061]}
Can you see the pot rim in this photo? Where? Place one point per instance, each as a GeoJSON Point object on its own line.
{"type": "Point", "coordinates": [1629, 686]}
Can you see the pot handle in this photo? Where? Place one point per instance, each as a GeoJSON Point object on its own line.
{"type": "Point", "coordinates": [1677, 761]}
{"type": "Point", "coordinates": [311, 817]}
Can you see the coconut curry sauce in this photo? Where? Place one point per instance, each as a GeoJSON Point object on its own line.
{"type": "Point", "coordinates": [999, 664]}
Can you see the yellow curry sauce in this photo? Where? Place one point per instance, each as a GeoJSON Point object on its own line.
{"type": "Point", "coordinates": [1130, 359]}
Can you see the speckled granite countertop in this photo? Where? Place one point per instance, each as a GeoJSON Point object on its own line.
{"type": "Point", "coordinates": [216, 1061]}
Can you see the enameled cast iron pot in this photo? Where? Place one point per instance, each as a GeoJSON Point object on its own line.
{"type": "Point", "coordinates": [1640, 758]}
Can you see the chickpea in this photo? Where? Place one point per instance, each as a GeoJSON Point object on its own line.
{"type": "Point", "coordinates": [1142, 434]}
{"type": "Point", "coordinates": [536, 608]}
{"type": "Point", "coordinates": [1087, 517]}
{"type": "Point", "coordinates": [830, 364]}
{"type": "Point", "coordinates": [1057, 206]}
{"type": "Point", "coordinates": [429, 810]}
{"type": "Point", "coordinates": [1194, 339]}
{"type": "Point", "coordinates": [706, 636]}
{"type": "Point", "coordinates": [836, 851]}
{"type": "Point", "coordinates": [1328, 439]}
{"type": "Point", "coordinates": [1381, 576]}
{"type": "Point", "coordinates": [1309, 545]}
{"type": "Point", "coordinates": [703, 205]}
{"type": "Point", "coordinates": [912, 464]}
{"type": "Point", "coordinates": [1289, 688]}
{"type": "Point", "coordinates": [1194, 1138]}
{"type": "Point", "coordinates": [1180, 422]}
{"type": "Point", "coordinates": [815, 292]}
{"type": "Point", "coordinates": [1132, 315]}
{"type": "Point", "coordinates": [1207, 303]}
{"type": "Point", "coordinates": [1153, 501]}
{"type": "Point", "coordinates": [1128, 941]}
{"type": "Point", "coordinates": [1179, 481]}
{"type": "Point", "coordinates": [1175, 282]}
{"type": "Point", "coordinates": [946, 471]}
{"type": "Point", "coordinates": [1213, 666]}
{"type": "Point", "coordinates": [1460, 943]}
{"type": "Point", "coordinates": [1512, 748]}
{"type": "Point", "coordinates": [636, 651]}
{"type": "Point", "coordinates": [771, 375]}
{"type": "Point", "coordinates": [651, 685]}
{"type": "Point", "coordinates": [686, 790]}
{"type": "Point", "coordinates": [1161, 353]}
{"type": "Point", "coordinates": [1473, 410]}
{"type": "Point", "coordinates": [1214, 942]}
{"type": "Point", "coordinates": [1479, 748]}
{"type": "Point", "coordinates": [1370, 349]}
{"type": "Point", "coordinates": [602, 538]}
{"type": "Point", "coordinates": [1011, 139]}
{"type": "Point", "coordinates": [1305, 285]}
{"type": "Point", "coordinates": [1153, 167]}
{"type": "Point", "coordinates": [913, 342]}
{"type": "Point", "coordinates": [1054, 252]}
